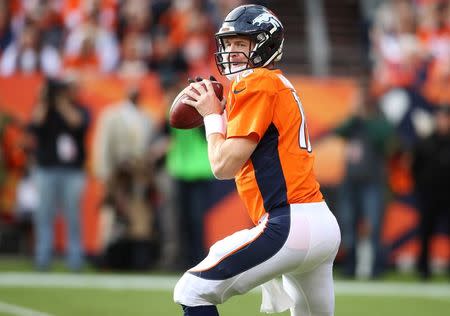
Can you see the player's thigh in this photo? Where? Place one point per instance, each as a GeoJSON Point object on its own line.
{"type": "Point", "coordinates": [282, 262]}
{"type": "Point", "coordinates": [194, 290]}
{"type": "Point", "coordinates": [238, 263]}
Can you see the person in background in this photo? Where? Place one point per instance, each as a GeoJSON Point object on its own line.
{"type": "Point", "coordinates": [6, 34]}
{"type": "Point", "coordinates": [59, 125]}
{"type": "Point", "coordinates": [121, 147]}
{"type": "Point", "coordinates": [30, 55]}
{"type": "Point", "coordinates": [187, 164]}
{"type": "Point", "coordinates": [361, 195]}
{"type": "Point", "coordinates": [431, 172]}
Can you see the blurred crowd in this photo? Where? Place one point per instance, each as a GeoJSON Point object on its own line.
{"type": "Point", "coordinates": [406, 105]}
{"type": "Point", "coordinates": [44, 161]}
{"type": "Point", "coordinates": [410, 48]}
{"type": "Point", "coordinates": [409, 55]}
{"type": "Point", "coordinates": [397, 139]}
{"type": "Point", "coordinates": [129, 37]}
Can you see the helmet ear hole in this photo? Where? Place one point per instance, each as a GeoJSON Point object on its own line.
{"type": "Point", "coordinates": [256, 60]}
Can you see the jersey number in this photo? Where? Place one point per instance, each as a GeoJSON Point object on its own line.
{"type": "Point", "coordinates": [303, 135]}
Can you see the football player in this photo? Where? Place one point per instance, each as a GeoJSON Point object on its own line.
{"type": "Point", "coordinates": [262, 142]}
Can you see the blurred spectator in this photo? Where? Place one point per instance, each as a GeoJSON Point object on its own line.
{"type": "Point", "coordinates": [91, 43]}
{"type": "Point", "coordinates": [133, 58]}
{"type": "Point", "coordinates": [13, 162]}
{"type": "Point", "coordinates": [431, 171]}
{"type": "Point", "coordinates": [5, 120]}
{"type": "Point", "coordinates": [191, 32]}
{"type": "Point", "coordinates": [194, 184]}
{"type": "Point", "coordinates": [121, 160]}
{"type": "Point", "coordinates": [361, 194]}
{"type": "Point", "coordinates": [29, 55]}
{"type": "Point", "coordinates": [198, 49]}
{"type": "Point", "coordinates": [75, 11]}
{"type": "Point", "coordinates": [396, 52]}
{"type": "Point", "coordinates": [86, 61]}
{"type": "Point", "coordinates": [123, 133]}
{"type": "Point", "coordinates": [433, 27]}
{"type": "Point", "coordinates": [166, 59]}
{"type": "Point", "coordinates": [436, 86]}
{"type": "Point", "coordinates": [177, 19]}
{"type": "Point", "coordinates": [134, 32]}
{"type": "Point", "coordinates": [59, 125]}
{"type": "Point", "coordinates": [44, 15]}
{"type": "Point", "coordinates": [168, 217]}
{"type": "Point", "coordinates": [368, 9]}
{"type": "Point", "coordinates": [135, 17]}
{"type": "Point", "coordinates": [6, 34]}
{"type": "Point", "coordinates": [127, 219]}
{"type": "Point", "coordinates": [13, 229]}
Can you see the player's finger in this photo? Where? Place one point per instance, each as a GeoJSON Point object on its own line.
{"type": "Point", "coordinates": [190, 102]}
{"type": "Point", "coordinates": [193, 86]}
{"type": "Point", "coordinates": [199, 87]}
{"type": "Point", "coordinates": [208, 85]}
{"type": "Point", "coordinates": [192, 94]}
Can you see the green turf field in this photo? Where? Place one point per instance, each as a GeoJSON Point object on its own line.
{"type": "Point", "coordinates": [75, 302]}
{"type": "Point", "coordinates": [59, 293]}
{"type": "Point", "coordinates": [66, 294]}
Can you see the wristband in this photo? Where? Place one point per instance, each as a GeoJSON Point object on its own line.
{"type": "Point", "coordinates": [214, 123]}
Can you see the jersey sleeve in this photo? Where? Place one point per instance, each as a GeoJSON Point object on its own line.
{"type": "Point", "coordinates": [251, 108]}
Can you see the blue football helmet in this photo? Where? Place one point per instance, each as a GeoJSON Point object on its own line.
{"type": "Point", "coordinates": [261, 26]}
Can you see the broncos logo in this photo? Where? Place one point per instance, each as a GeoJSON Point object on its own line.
{"type": "Point", "coordinates": [266, 18]}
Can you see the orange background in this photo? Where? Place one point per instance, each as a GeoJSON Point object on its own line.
{"type": "Point", "coordinates": [327, 103]}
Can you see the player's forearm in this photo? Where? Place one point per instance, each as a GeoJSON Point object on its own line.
{"type": "Point", "coordinates": [223, 164]}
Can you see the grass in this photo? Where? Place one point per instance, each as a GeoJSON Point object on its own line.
{"type": "Point", "coordinates": [74, 302]}
{"type": "Point", "coordinates": [24, 264]}
{"type": "Point", "coordinates": [61, 300]}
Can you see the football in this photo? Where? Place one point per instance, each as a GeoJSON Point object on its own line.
{"type": "Point", "coordinates": [184, 116]}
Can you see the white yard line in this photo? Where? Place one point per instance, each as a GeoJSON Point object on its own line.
{"type": "Point", "coordinates": [119, 282]}
{"type": "Point", "coordinates": [146, 282]}
{"type": "Point", "coordinates": [16, 310]}
{"type": "Point", "coordinates": [398, 289]}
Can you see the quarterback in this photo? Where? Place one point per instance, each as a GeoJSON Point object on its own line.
{"type": "Point", "coordinates": [261, 140]}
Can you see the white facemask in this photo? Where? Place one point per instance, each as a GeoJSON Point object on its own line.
{"type": "Point", "coordinates": [236, 71]}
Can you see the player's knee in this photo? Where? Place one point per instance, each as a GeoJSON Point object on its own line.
{"type": "Point", "coordinates": [193, 291]}
{"type": "Point", "coordinates": [180, 292]}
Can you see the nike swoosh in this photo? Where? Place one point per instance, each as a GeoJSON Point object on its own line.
{"type": "Point", "coordinates": [238, 91]}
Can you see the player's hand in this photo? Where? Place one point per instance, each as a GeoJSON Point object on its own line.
{"type": "Point", "coordinates": [206, 101]}
{"type": "Point", "coordinates": [190, 80]}
{"type": "Point", "coordinates": [211, 78]}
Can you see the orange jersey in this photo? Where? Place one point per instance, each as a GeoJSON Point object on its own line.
{"type": "Point", "coordinates": [264, 103]}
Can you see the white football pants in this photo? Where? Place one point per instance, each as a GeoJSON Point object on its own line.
{"type": "Point", "coordinates": [298, 242]}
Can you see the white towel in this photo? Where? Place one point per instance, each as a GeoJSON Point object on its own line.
{"type": "Point", "coordinates": [274, 298]}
